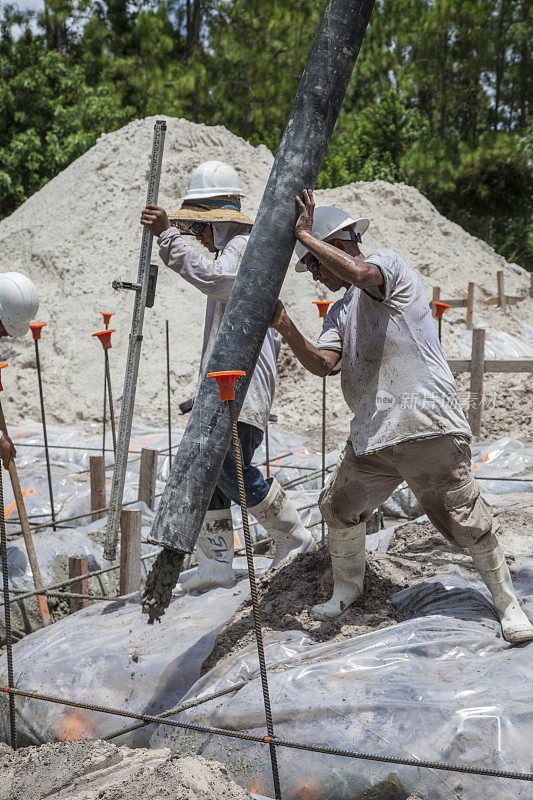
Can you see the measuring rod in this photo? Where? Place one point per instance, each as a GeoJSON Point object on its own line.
{"type": "Point", "coordinates": [144, 291]}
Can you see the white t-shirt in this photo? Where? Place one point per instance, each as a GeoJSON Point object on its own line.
{"type": "Point", "coordinates": [394, 375]}
{"type": "Point", "coordinates": [216, 279]}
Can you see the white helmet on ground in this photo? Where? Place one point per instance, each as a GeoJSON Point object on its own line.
{"type": "Point", "coordinates": [327, 221]}
{"type": "Point", "coordinates": [213, 179]}
{"type": "Point", "coordinates": [19, 303]}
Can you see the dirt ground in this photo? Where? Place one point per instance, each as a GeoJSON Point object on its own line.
{"type": "Point", "coordinates": [97, 770]}
{"type": "Point", "coordinates": [417, 551]}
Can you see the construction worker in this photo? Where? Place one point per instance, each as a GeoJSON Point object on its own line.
{"type": "Point", "coordinates": [19, 303]}
{"type": "Point", "coordinates": [211, 211]}
{"type": "Point", "coordinates": [408, 423]}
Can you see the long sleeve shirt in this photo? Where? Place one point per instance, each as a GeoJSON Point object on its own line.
{"type": "Point", "coordinates": [215, 279]}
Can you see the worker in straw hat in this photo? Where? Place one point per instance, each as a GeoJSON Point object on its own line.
{"type": "Point", "coordinates": [211, 211]}
{"type": "Point", "coordinates": [408, 424]}
{"type": "Point", "coordinates": [19, 303]}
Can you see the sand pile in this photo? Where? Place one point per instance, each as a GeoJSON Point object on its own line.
{"type": "Point", "coordinates": [97, 770]}
{"type": "Point", "coordinates": [82, 230]}
{"type": "Point", "coordinates": [417, 551]}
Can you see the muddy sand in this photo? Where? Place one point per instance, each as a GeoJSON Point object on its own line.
{"type": "Point", "coordinates": [417, 551]}
{"type": "Point", "coordinates": [97, 770]}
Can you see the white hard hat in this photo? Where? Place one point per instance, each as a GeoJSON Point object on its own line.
{"type": "Point", "coordinates": [327, 221]}
{"type": "Point", "coordinates": [213, 179]}
{"type": "Point", "coordinates": [19, 303]}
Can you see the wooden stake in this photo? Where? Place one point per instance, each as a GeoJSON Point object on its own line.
{"type": "Point", "coordinates": [477, 371]}
{"type": "Point", "coordinates": [501, 290]}
{"type": "Point", "coordinates": [130, 551]}
{"type": "Point", "coordinates": [97, 477]}
{"type": "Point", "coordinates": [78, 566]}
{"type": "Point", "coordinates": [436, 296]}
{"type": "Point", "coordinates": [26, 532]}
{"type": "Point", "coordinates": [147, 476]}
{"type": "Point", "coordinates": [470, 306]}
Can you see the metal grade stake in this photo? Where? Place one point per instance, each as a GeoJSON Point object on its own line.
{"type": "Point", "coordinates": [7, 618]}
{"type": "Point", "coordinates": [105, 341]}
{"type": "Point", "coordinates": [7, 611]}
{"type": "Point", "coordinates": [106, 315]}
{"type": "Point", "coordinates": [111, 412]}
{"type": "Point", "coordinates": [440, 308]}
{"type": "Point", "coordinates": [168, 400]}
{"type": "Point", "coordinates": [226, 383]}
{"type": "Point", "coordinates": [323, 307]}
{"type": "Point", "coordinates": [36, 328]}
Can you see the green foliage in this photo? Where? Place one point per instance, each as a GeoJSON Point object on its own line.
{"type": "Point", "coordinates": [440, 98]}
{"type": "Point", "coordinates": [49, 117]}
{"type": "Point", "coordinates": [373, 146]}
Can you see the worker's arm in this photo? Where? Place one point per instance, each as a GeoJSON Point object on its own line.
{"type": "Point", "coordinates": [318, 362]}
{"type": "Point", "coordinates": [7, 450]}
{"type": "Point", "coordinates": [192, 266]}
{"type": "Point", "coordinates": [353, 269]}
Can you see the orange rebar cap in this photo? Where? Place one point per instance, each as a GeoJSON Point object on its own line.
{"type": "Point", "coordinates": [105, 337]}
{"type": "Point", "coordinates": [226, 382]}
{"type": "Point", "coordinates": [440, 308]}
{"type": "Point", "coordinates": [323, 307]}
{"type": "Point", "coordinates": [106, 315]}
{"type": "Point", "coordinates": [36, 328]}
{"type": "Point", "coordinates": [2, 366]}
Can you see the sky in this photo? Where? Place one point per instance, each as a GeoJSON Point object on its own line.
{"type": "Point", "coordinates": [31, 5]}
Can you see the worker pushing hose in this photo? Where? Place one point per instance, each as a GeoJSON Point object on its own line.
{"type": "Point", "coordinates": [408, 423]}
{"type": "Point", "coordinates": [211, 211]}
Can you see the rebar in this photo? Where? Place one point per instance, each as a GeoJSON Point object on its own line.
{"type": "Point", "coordinates": [105, 410]}
{"type": "Point", "coordinates": [45, 434]}
{"type": "Point", "coordinates": [323, 448]}
{"type": "Point", "coordinates": [61, 584]}
{"type": "Point", "coordinates": [168, 397]}
{"type": "Point", "coordinates": [105, 401]}
{"type": "Point", "coordinates": [196, 701]}
{"type": "Point", "coordinates": [111, 412]}
{"type": "Point", "coordinates": [7, 618]}
{"type": "Point", "coordinates": [267, 453]}
{"type": "Point", "coordinates": [250, 737]}
{"type": "Point", "coordinates": [255, 601]}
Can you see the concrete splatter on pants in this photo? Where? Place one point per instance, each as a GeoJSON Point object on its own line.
{"type": "Point", "coordinates": [436, 469]}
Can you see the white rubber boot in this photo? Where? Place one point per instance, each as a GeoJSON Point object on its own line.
{"type": "Point", "coordinates": [279, 517]}
{"type": "Point", "coordinates": [490, 562]}
{"type": "Point", "coordinates": [347, 550]}
{"type": "Point", "coordinates": [215, 554]}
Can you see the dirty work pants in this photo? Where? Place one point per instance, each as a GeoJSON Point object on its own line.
{"type": "Point", "coordinates": [255, 485]}
{"type": "Point", "coordinates": [436, 469]}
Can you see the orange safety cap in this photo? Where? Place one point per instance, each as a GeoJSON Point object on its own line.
{"type": "Point", "coordinates": [2, 366]}
{"type": "Point", "coordinates": [323, 306]}
{"type": "Point", "coordinates": [105, 337]}
{"type": "Point", "coordinates": [226, 382]}
{"type": "Point", "coordinates": [440, 308]}
{"type": "Point", "coordinates": [36, 328]}
{"type": "Point", "coordinates": [107, 316]}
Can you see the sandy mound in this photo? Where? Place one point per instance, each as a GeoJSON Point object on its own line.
{"type": "Point", "coordinates": [417, 551]}
{"type": "Point", "coordinates": [96, 770]}
{"type": "Point", "coordinates": [81, 230]}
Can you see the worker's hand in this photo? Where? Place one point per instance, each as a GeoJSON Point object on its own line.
{"type": "Point", "coordinates": [155, 219]}
{"type": "Point", "coordinates": [304, 223]}
{"type": "Point", "coordinates": [280, 317]}
{"type": "Point", "coordinates": [7, 450]}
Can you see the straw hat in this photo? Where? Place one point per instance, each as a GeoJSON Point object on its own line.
{"type": "Point", "coordinates": [209, 209]}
